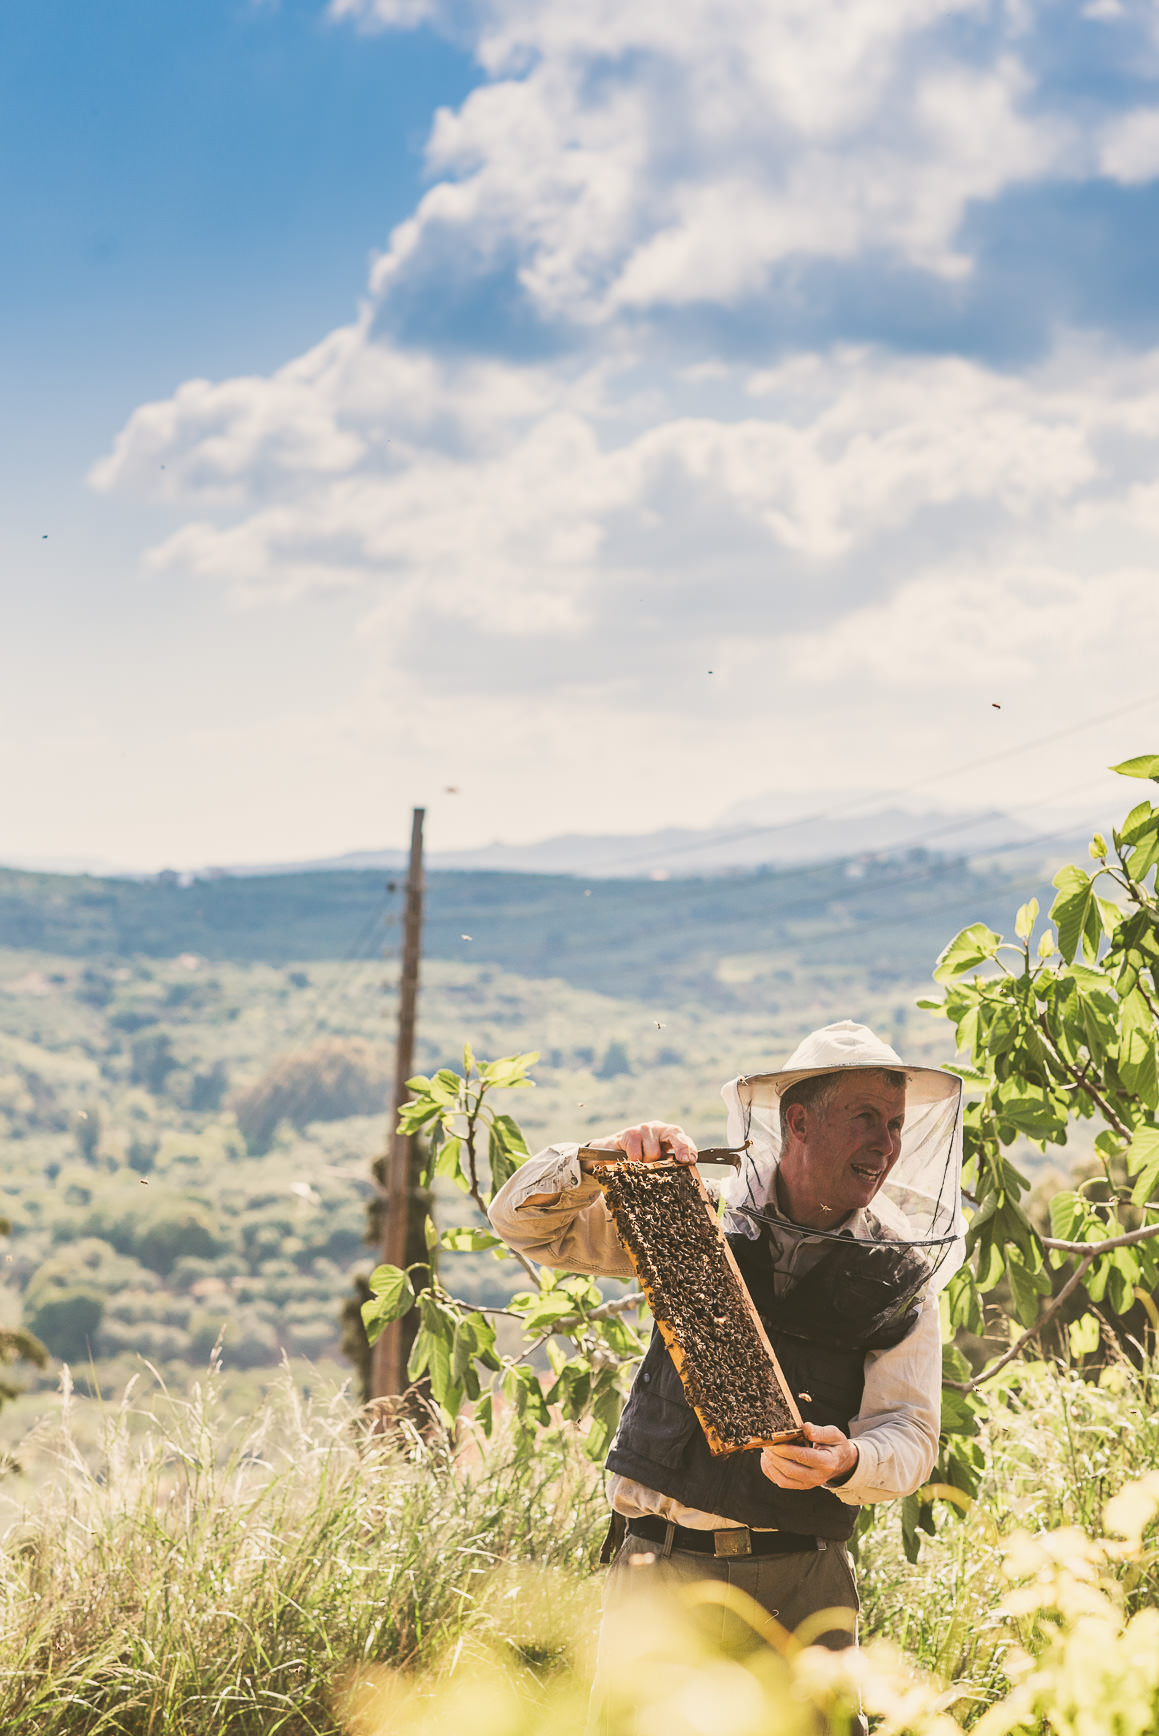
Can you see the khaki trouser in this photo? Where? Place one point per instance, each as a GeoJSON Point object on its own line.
{"type": "Point", "coordinates": [789, 1587]}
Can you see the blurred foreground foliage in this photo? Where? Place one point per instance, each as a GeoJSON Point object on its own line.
{"type": "Point", "coordinates": [296, 1574]}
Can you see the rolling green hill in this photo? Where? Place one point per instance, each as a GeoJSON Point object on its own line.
{"type": "Point", "coordinates": [137, 1019]}
{"type": "Point", "coordinates": [889, 917]}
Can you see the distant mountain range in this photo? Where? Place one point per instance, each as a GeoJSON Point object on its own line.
{"type": "Point", "coordinates": [682, 851]}
{"type": "Point", "coordinates": [763, 831]}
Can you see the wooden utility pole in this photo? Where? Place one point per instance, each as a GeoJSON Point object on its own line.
{"type": "Point", "coordinates": [388, 1374]}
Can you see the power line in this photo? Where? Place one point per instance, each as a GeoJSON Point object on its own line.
{"type": "Point", "coordinates": [926, 872]}
{"type": "Point", "coordinates": [837, 809]}
{"type": "Point", "coordinates": [354, 961]}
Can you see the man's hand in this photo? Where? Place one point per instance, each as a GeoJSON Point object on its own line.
{"type": "Point", "coordinates": [648, 1143]}
{"type": "Point", "coordinates": [829, 1454]}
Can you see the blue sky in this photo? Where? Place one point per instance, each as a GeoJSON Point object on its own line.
{"type": "Point", "coordinates": [402, 396]}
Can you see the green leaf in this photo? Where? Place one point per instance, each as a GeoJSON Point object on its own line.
{"type": "Point", "coordinates": [958, 1415]}
{"type": "Point", "coordinates": [521, 1387]}
{"type": "Point", "coordinates": [954, 1364]}
{"type": "Point", "coordinates": [911, 1516]}
{"type": "Point", "coordinates": [1034, 1116]}
{"type": "Point", "coordinates": [1083, 1335]}
{"type": "Point", "coordinates": [1024, 1291]}
{"type": "Point", "coordinates": [444, 1086]}
{"type": "Point", "coordinates": [445, 1391]}
{"type": "Point", "coordinates": [511, 1071]}
{"type": "Point", "coordinates": [963, 1303]}
{"type": "Point", "coordinates": [512, 1136]}
{"type": "Point", "coordinates": [1025, 920]}
{"type": "Point", "coordinates": [991, 1265]}
{"type": "Point", "coordinates": [416, 1114]}
{"type": "Point", "coordinates": [1120, 1293]}
{"type": "Point", "coordinates": [484, 1414]}
{"type": "Point", "coordinates": [969, 1075]}
{"type": "Point", "coordinates": [448, 1162]}
{"type": "Point", "coordinates": [546, 1310]}
{"type": "Point", "coordinates": [1143, 857]}
{"type": "Point", "coordinates": [1003, 1031]}
{"type": "Point", "coordinates": [1143, 1149]}
{"type": "Point", "coordinates": [973, 946]}
{"type": "Point", "coordinates": [1074, 912]}
{"type": "Point", "coordinates": [392, 1287]}
{"type": "Point", "coordinates": [420, 1354]}
{"type": "Point", "coordinates": [1144, 765]}
{"type": "Point", "coordinates": [466, 1239]}
{"type": "Point", "coordinates": [606, 1410]}
{"type": "Point", "coordinates": [1068, 1215]}
{"type": "Point", "coordinates": [393, 1295]}
{"type": "Point", "coordinates": [502, 1167]}
{"type": "Point", "coordinates": [1143, 1162]}
{"type": "Point", "coordinates": [474, 1340]}
{"type": "Point", "coordinates": [1139, 1067]}
{"type": "Point", "coordinates": [572, 1389]}
{"type": "Point", "coordinates": [1096, 1024]}
{"type": "Point", "coordinates": [1109, 915]}
{"type": "Point", "coordinates": [1139, 822]}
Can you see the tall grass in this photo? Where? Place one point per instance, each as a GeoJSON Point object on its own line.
{"type": "Point", "coordinates": [193, 1577]}
{"type": "Point", "coordinates": [294, 1573]}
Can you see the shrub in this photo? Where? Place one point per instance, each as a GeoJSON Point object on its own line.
{"type": "Point", "coordinates": [87, 1129]}
{"type": "Point", "coordinates": [207, 1089]}
{"type": "Point", "coordinates": [66, 1319]}
{"type": "Point", "coordinates": [339, 1076]}
{"type": "Point", "coordinates": [615, 1062]}
{"type": "Point", "coordinates": [151, 1061]}
{"type": "Point", "coordinates": [155, 1233]}
{"type": "Point", "coordinates": [183, 1230]}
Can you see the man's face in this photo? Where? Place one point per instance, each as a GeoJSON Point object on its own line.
{"type": "Point", "coordinates": [842, 1152]}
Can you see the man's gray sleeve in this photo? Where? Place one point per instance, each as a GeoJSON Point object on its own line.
{"type": "Point", "coordinates": [572, 1229]}
{"type": "Point", "coordinates": [896, 1429]}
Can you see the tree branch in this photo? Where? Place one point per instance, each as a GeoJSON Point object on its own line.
{"type": "Point", "coordinates": [618, 1305]}
{"type": "Point", "coordinates": [1068, 1289]}
{"type": "Point", "coordinates": [1096, 1248]}
{"type": "Point", "coordinates": [1090, 1252]}
{"type": "Point", "coordinates": [1078, 1079]}
{"type": "Point", "coordinates": [605, 1311]}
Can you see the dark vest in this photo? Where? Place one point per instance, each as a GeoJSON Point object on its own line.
{"type": "Point", "coordinates": [852, 1301]}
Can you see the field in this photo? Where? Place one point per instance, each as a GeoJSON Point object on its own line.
{"type": "Point", "coordinates": [183, 1573]}
{"type": "Point", "coordinates": [200, 1532]}
{"type": "Point", "coordinates": [145, 1220]}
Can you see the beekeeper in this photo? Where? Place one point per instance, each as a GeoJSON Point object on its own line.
{"type": "Point", "coordinates": [845, 1220]}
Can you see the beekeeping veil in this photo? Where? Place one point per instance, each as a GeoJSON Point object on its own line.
{"type": "Point", "coordinates": [918, 1207]}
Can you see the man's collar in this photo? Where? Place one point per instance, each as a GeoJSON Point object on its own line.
{"type": "Point", "coordinates": [855, 1223]}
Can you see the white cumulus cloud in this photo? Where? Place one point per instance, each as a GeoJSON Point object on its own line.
{"type": "Point", "coordinates": [668, 153]}
{"type": "Point", "coordinates": [1129, 151]}
{"type": "Point", "coordinates": [578, 506]}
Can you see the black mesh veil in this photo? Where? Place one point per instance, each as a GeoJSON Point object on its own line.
{"type": "Point", "coordinates": [911, 1237]}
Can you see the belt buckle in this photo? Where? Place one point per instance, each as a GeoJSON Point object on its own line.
{"type": "Point", "coordinates": [736, 1540]}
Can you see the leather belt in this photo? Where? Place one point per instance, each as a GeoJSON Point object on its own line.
{"type": "Point", "coordinates": [733, 1541]}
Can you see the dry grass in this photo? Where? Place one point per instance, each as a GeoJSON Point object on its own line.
{"type": "Point", "coordinates": [294, 1574]}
